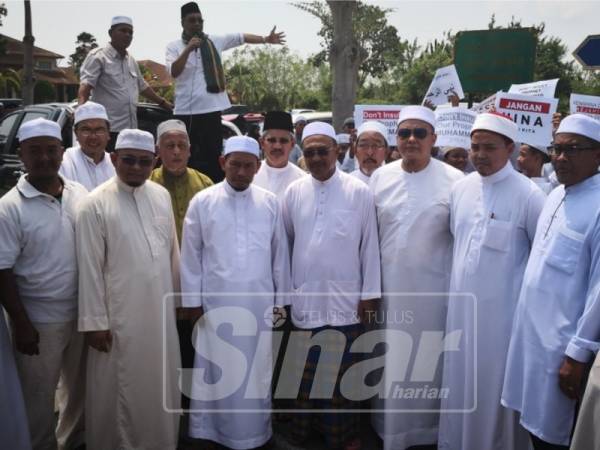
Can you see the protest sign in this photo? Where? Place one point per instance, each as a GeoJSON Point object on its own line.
{"type": "Point", "coordinates": [545, 88]}
{"type": "Point", "coordinates": [485, 105]}
{"type": "Point", "coordinates": [453, 127]}
{"type": "Point", "coordinates": [386, 114]}
{"type": "Point", "coordinates": [585, 104]}
{"type": "Point", "coordinates": [445, 82]}
{"type": "Point", "coordinates": [533, 116]}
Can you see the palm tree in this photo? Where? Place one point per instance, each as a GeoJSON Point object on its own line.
{"type": "Point", "coordinates": [10, 81]}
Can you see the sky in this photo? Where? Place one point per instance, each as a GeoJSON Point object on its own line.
{"type": "Point", "coordinates": [56, 24]}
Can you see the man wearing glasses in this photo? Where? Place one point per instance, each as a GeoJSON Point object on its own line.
{"type": "Point", "coordinates": [371, 149]}
{"type": "Point", "coordinates": [557, 323]}
{"type": "Point", "coordinates": [412, 199]}
{"type": "Point", "coordinates": [128, 261]}
{"type": "Point", "coordinates": [493, 217]}
{"type": "Point", "coordinates": [88, 163]}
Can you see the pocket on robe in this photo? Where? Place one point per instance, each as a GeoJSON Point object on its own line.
{"type": "Point", "coordinates": [343, 223]}
{"type": "Point", "coordinates": [497, 235]}
{"type": "Point", "coordinates": [162, 226]}
{"type": "Point", "coordinates": [564, 251]}
{"type": "Point", "coordinates": [259, 236]}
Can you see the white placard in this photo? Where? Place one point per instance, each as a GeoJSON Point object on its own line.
{"type": "Point", "coordinates": [545, 88]}
{"type": "Point", "coordinates": [485, 105]}
{"type": "Point", "coordinates": [585, 104]}
{"type": "Point", "coordinates": [453, 127]}
{"type": "Point", "coordinates": [386, 114]}
{"type": "Point", "coordinates": [533, 116]}
{"type": "Point", "coordinates": [444, 83]}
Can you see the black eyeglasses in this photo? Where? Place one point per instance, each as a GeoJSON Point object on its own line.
{"type": "Point", "coordinates": [569, 150]}
{"type": "Point", "coordinates": [418, 133]}
{"type": "Point", "coordinates": [132, 161]}
{"type": "Point", "coordinates": [274, 140]}
{"type": "Point", "coordinates": [321, 151]}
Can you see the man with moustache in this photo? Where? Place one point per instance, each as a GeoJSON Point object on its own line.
{"type": "Point", "coordinates": [371, 149]}
{"type": "Point", "coordinates": [531, 161]}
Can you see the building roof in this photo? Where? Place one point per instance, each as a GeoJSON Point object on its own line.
{"type": "Point", "coordinates": [15, 47]}
{"type": "Point", "coordinates": [160, 76]}
{"type": "Point", "coordinates": [60, 75]}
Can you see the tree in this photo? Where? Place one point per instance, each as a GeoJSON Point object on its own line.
{"type": "Point", "coordinates": [85, 42]}
{"type": "Point", "coordinates": [28, 41]}
{"type": "Point", "coordinates": [10, 83]}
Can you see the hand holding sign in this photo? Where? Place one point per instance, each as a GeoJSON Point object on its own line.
{"type": "Point", "coordinates": [445, 83]}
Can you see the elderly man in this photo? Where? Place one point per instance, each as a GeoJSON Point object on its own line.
{"type": "Point", "coordinates": [194, 61]}
{"type": "Point", "coordinates": [557, 323]}
{"type": "Point", "coordinates": [277, 142]}
{"type": "Point", "coordinates": [531, 162]}
{"type": "Point", "coordinates": [234, 242]}
{"type": "Point", "coordinates": [38, 281]}
{"type": "Point", "coordinates": [88, 163]}
{"type": "Point", "coordinates": [113, 78]}
{"type": "Point", "coordinates": [128, 261]}
{"type": "Point", "coordinates": [493, 216]}
{"type": "Point", "coordinates": [330, 221]}
{"type": "Point", "coordinates": [371, 149]}
{"type": "Point", "coordinates": [412, 198]}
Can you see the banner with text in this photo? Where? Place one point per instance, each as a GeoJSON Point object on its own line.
{"type": "Point", "coordinates": [485, 105]}
{"type": "Point", "coordinates": [545, 88]}
{"type": "Point", "coordinates": [453, 127]}
{"type": "Point", "coordinates": [445, 82]}
{"type": "Point", "coordinates": [386, 114]}
{"type": "Point", "coordinates": [585, 104]}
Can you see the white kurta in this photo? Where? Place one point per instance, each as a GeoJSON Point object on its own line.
{"type": "Point", "coordinates": [128, 260]}
{"type": "Point", "coordinates": [543, 184]}
{"type": "Point", "coordinates": [413, 214]}
{"type": "Point", "coordinates": [233, 243]}
{"type": "Point", "coordinates": [493, 220]}
{"type": "Point", "coordinates": [587, 432]}
{"type": "Point", "coordinates": [76, 166]}
{"type": "Point", "coordinates": [361, 176]}
{"type": "Point", "coordinates": [277, 180]}
{"type": "Point", "coordinates": [558, 312]}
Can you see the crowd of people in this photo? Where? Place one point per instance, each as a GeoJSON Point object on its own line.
{"type": "Point", "coordinates": [313, 277]}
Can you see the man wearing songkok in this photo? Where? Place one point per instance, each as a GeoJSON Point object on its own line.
{"type": "Point", "coordinates": [493, 216]}
{"type": "Point", "coordinates": [128, 261]}
{"type": "Point", "coordinates": [557, 323]}
{"type": "Point", "coordinates": [371, 149]}
{"type": "Point", "coordinates": [88, 163]}
{"type": "Point", "coordinates": [38, 281]}
{"type": "Point", "coordinates": [235, 263]}
{"type": "Point", "coordinates": [277, 141]}
{"type": "Point", "coordinates": [531, 161]}
{"type": "Point", "coordinates": [330, 221]}
{"type": "Point", "coordinates": [194, 62]}
{"type": "Point", "coordinates": [113, 78]}
{"type": "Point", "coordinates": [587, 432]}
{"type": "Point", "coordinates": [412, 199]}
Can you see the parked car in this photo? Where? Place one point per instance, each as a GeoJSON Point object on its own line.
{"type": "Point", "coordinates": [321, 116]}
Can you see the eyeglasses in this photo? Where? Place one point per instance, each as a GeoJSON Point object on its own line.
{"type": "Point", "coordinates": [569, 150]}
{"type": "Point", "coordinates": [87, 132]}
{"type": "Point", "coordinates": [321, 151]}
{"type": "Point", "coordinates": [274, 140]}
{"type": "Point", "coordinates": [132, 161]}
{"type": "Point", "coordinates": [418, 133]}
{"type": "Point", "coordinates": [370, 145]}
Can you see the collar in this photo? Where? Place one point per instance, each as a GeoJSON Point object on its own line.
{"type": "Point", "coordinates": [233, 192]}
{"type": "Point", "coordinates": [589, 183]}
{"type": "Point", "coordinates": [113, 53]}
{"type": "Point", "coordinates": [91, 160]}
{"type": "Point", "coordinates": [328, 182]}
{"type": "Point", "coordinates": [27, 190]}
{"type": "Point", "coordinates": [500, 175]}
{"type": "Point", "coordinates": [125, 187]}
{"type": "Point", "coordinates": [169, 177]}
{"type": "Point", "coordinates": [276, 170]}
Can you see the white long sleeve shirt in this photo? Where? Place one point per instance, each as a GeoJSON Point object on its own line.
{"type": "Point", "coordinates": [79, 167]}
{"type": "Point", "coordinates": [277, 180]}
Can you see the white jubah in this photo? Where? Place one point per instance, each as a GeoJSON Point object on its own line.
{"type": "Point", "coordinates": [493, 220]}
{"type": "Point", "coordinates": [276, 180]}
{"type": "Point", "coordinates": [77, 166]}
{"type": "Point", "coordinates": [235, 261]}
{"type": "Point", "coordinates": [413, 216]}
{"type": "Point", "coordinates": [128, 260]}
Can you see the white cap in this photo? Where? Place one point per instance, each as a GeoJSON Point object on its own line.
{"type": "Point", "coordinates": [446, 149]}
{"type": "Point", "coordinates": [375, 126]}
{"type": "Point", "coordinates": [243, 144]}
{"type": "Point", "coordinates": [322, 128]}
{"type": "Point", "coordinates": [39, 128]}
{"type": "Point", "coordinates": [299, 119]}
{"type": "Point", "coordinates": [417, 112]}
{"type": "Point", "coordinates": [343, 138]}
{"type": "Point", "coordinates": [498, 123]}
{"type": "Point", "coordinates": [135, 139]}
{"type": "Point", "coordinates": [539, 148]}
{"type": "Point", "coordinates": [117, 20]}
{"type": "Point", "coordinates": [582, 125]}
{"type": "Point", "coordinates": [170, 125]}
{"type": "Point", "coordinates": [90, 110]}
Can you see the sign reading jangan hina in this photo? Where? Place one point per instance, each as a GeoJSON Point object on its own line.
{"type": "Point", "coordinates": [386, 114]}
{"type": "Point", "coordinates": [533, 116]}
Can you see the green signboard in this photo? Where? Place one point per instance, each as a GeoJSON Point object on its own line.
{"type": "Point", "coordinates": [491, 60]}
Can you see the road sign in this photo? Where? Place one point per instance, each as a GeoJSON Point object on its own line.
{"type": "Point", "coordinates": [491, 60]}
{"type": "Point", "coordinates": [588, 52]}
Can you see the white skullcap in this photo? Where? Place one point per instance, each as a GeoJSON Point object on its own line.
{"type": "Point", "coordinates": [90, 110]}
{"type": "Point", "coordinates": [582, 125]}
{"type": "Point", "coordinates": [39, 128]}
{"type": "Point", "coordinates": [539, 148]}
{"type": "Point", "coordinates": [497, 123]}
{"type": "Point", "coordinates": [121, 19]}
{"type": "Point", "coordinates": [446, 149]}
{"type": "Point", "coordinates": [343, 138]}
{"type": "Point", "coordinates": [375, 126]}
{"type": "Point", "coordinates": [243, 144]}
{"type": "Point", "coordinates": [170, 125]}
{"type": "Point", "coordinates": [135, 139]}
{"type": "Point", "coordinates": [299, 119]}
{"type": "Point", "coordinates": [322, 128]}
{"type": "Point", "coordinates": [417, 112]}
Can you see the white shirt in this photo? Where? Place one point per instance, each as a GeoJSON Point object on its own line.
{"type": "Point", "coordinates": [558, 312]}
{"type": "Point", "coordinates": [335, 250]}
{"type": "Point", "coordinates": [361, 176]}
{"type": "Point", "coordinates": [276, 180]}
{"type": "Point", "coordinates": [543, 184]}
{"type": "Point", "coordinates": [37, 240]}
{"type": "Point", "coordinates": [191, 96]}
{"type": "Point", "coordinates": [79, 167]}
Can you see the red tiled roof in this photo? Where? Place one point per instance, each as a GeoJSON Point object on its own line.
{"type": "Point", "coordinates": [16, 47]}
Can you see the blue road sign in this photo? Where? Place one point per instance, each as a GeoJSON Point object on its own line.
{"type": "Point", "coordinates": [588, 52]}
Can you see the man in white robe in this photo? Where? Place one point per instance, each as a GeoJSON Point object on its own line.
{"type": "Point", "coordinates": [371, 149]}
{"type": "Point", "coordinates": [128, 261]}
{"type": "Point", "coordinates": [277, 141]}
{"type": "Point", "coordinates": [587, 432]}
{"type": "Point", "coordinates": [493, 216]}
{"type": "Point", "coordinates": [88, 163]}
{"type": "Point", "coordinates": [235, 261]}
{"type": "Point", "coordinates": [557, 323]}
{"type": "Point", "coordinates": [412, 198]}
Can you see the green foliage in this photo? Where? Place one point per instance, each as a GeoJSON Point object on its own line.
{"type": "Point", "coordinates": [10, 80]}
{"type": "Point", "coordinates": [85, 42]}
{"type": "Point", "coordinates": [44, 92]}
